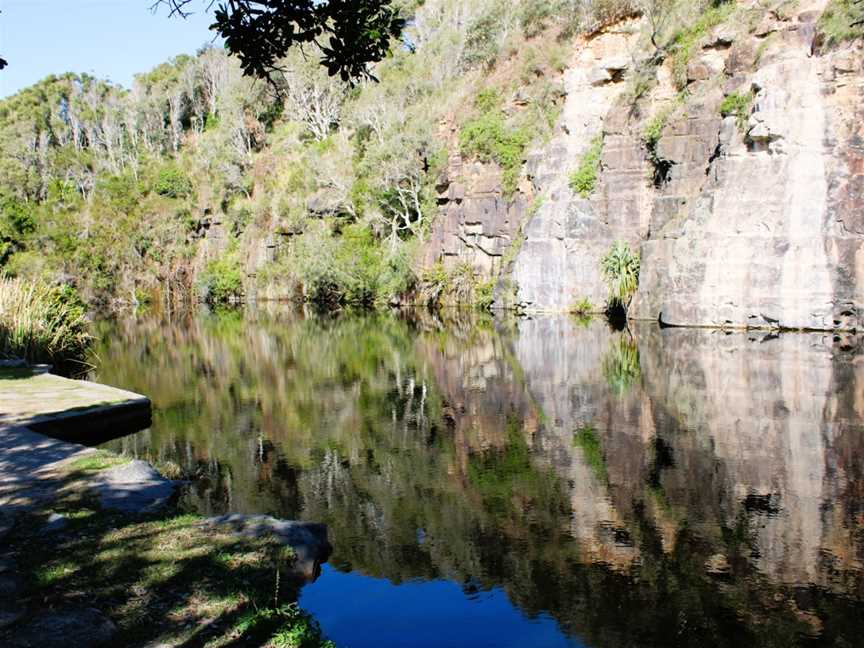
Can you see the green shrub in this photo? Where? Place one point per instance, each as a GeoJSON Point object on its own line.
{"type": "Point", "coordinates": [738, 105]}
{"type": "Point", "coordinates": [841, 21]}
{"type": "Point", "coordinates": [653, 130]}
{"type": "Point", "coordinates": [489, 138]}
{"type": "Point", "coordinates": [16, 221]}
{"type": "Point", "coordinates": [583, 181]}
{"type": "Point", "coordinates": [484, 294]}
{"type": "Point", "coordinates": [460, 286]}
{"type": "Point", "coordinates": [117, 194]}
{"type": "Point", "coordinates": [42, 323]}
{"type": "Point", "coordinates": [620, 269]}
{"type": "Point", "coordinates": [222, 279]}
{"type": "Point", "coordinates": [173, 183]}
{"type": "Point", "coordinates": [536, 16]}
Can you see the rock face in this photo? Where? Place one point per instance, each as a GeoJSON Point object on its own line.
{"type": "Point", "coordinates": [754, 219]}
{"type": "Point", "coordinates": [476, 223]}
{"type": "Point", "coordinates": [558, 263]}
{"type": "Point", "coordinates": [774, 236]}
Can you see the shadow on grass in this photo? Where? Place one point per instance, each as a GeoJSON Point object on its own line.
{"type": "Point", "coordinates": [162, 579]}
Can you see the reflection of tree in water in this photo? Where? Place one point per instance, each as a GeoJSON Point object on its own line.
{"type": "Point", "coordinates": [621, 365]}
{"type": "Point", "coordinates": [422, 445]}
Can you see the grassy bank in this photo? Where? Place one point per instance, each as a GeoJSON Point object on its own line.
{"type": "Point", "coordinates": [162, 579]}
{"type": "Point", "coordinates": [41, 323]}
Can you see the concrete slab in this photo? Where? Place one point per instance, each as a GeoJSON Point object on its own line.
{"type": "Point", "coordinates": [72, 410]}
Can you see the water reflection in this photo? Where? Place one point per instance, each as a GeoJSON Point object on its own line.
{"type": "Point", "coordinates": [646, 487]}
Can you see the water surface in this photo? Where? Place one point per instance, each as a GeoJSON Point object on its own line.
{"type": "Point", "coordinates": [534, 482]}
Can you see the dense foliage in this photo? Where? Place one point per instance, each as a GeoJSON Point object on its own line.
{"type": "Point", "coordinates": [42, 324]}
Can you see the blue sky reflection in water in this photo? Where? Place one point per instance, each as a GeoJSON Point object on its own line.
{"type": "Point", "coordinates": [373, 612]}
{"type": "Point", "coordinates": [649, 488]}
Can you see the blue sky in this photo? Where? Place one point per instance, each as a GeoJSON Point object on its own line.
{"type": "Point", "coordinates": [112, 39]}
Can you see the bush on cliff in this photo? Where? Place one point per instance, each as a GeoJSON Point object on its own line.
{"type": "Point", "coordinates": [620, 269]}
{"type": "Point", "coordinates": [584, 179]}
{"type": "Point", "coordinates": [738, 105]}
{"type": "Point", "coordinates": [489, 137]}
{"type": "Point", "coordinates": [42, 323]}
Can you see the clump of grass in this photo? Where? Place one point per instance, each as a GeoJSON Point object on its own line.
{"type": "Point", "coordinates": [842, 20]}
{"type": "Point", "coordinates": [583, 181]}
{"type": "Point", "coordinates": [40, 323]}
{"type": "Point", "coordinates": [653, 131]}
{"type": "Point", "coordinates": [620, 268]}
{"type": "Point", "coordinates": [583, 307]}
{"type": "Point", "coordinates": [738, 105]}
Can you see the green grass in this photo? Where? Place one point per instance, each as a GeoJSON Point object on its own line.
{"type": "Point", "coordinates": [653, 130]}
{"type": "Point", "coordinates": [842, 20]}
{"type": "Point", "coordinates": [98, 461]}
{"type": "Point", "coordinates": [583, 181]}
{"type": "Point", "coordinates": [42, 324]}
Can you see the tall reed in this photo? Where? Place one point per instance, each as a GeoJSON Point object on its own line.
{"type": "Point", "coordinates": [41, 323]}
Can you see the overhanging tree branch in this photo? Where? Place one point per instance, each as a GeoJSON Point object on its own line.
{"type": "Point", "coordinates": [350, 34]}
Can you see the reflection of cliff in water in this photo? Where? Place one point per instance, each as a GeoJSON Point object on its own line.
{"type": "Point", "coordinates": [638, 486]}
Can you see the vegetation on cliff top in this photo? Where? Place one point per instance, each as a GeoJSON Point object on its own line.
{"type": "Point", "coordinates": [842, 20]}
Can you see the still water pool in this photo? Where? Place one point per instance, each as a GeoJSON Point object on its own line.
{"type": "Point", "coordinates": [525, 482]}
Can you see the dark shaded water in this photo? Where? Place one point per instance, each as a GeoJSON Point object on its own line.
{"type": "Point", "coordinates": [527, 482]}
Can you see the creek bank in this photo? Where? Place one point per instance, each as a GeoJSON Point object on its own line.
{"type": "Point", "coordinates": [96, 552]}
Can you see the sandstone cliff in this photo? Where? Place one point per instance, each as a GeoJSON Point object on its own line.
{"type": "Point", "coordinates": [749, 219]}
